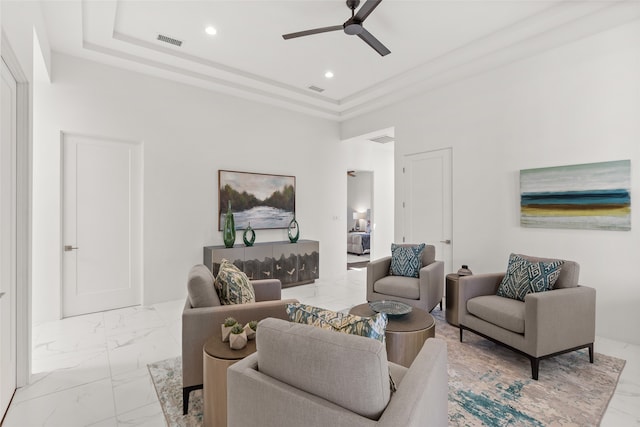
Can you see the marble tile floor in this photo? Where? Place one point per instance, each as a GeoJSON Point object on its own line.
{"type": "Point", "coordinates": [91, 370]}
{"type": "Point", "coordinates": [357, 258]}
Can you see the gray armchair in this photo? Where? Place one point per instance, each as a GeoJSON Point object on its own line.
{"type": "Point", "coordinates": [544, 325]}
{"type": "Point", "coordinates": [302, 375]}
{"type": "Point", "coordinates": [424, 292]}
{"type": "Point", "coordinates": [203, 312]}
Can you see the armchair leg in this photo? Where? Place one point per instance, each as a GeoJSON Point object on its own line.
{"type": "Point", "coordinates": [460, 334]}
{"type": "Point", "coordinates": [535, 364]}
{"type": "Point", "coordinates": [440, 305]}
{"type": "Point", "coordinates": [185, 397]}
{"type": "Point", "coordinates": [591, 353]}
{"type": "Point", "coordinates": [185, 400]}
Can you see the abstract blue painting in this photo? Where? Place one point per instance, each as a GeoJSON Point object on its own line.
{"type": "Point", "coordinates": [587, 196]}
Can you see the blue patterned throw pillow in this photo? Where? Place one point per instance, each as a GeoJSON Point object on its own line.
{"type": "Point", "coordinates": [233, 286]}
{"type": "Point", "coordinates": [370, 327]}
{"type": "Point", "coordinates": [524, 277]}
{"type": "Point", "coordinates": [406, 260]}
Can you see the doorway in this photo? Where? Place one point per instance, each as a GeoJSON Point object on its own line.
{"type": "Point", "coordinates": [375, 153]}
{"type": "Point", "coordinates": [428, 202]}
{"type": "Point", "coordinates": [359, 218]}
{"type": "Point", "coordinates": [8, 243]}
{"type": "Point", "coordinates": [101, 224]}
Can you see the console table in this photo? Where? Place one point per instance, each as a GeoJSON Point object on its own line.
{"type": "Point", "coordinates": [293, 263]}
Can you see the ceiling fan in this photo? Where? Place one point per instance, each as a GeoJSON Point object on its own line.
{"type": "Point", "coordinates": [352, 26]}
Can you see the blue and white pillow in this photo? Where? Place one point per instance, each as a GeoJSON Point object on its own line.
{"type": "Point", "coordinates": [524, 277]}
{"type": "Point", "coordinates": [406, 260]}
{"type": "Point", "coordinates": [370, 327]}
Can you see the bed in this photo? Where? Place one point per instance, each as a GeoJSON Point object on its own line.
{"type": "Point", "coordinates": [358, 242]}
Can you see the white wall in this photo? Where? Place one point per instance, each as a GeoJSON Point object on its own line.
{"type": "Point", "coordinates": [578, 103]}
{"type": "Point", "coordinates": [188, 135]}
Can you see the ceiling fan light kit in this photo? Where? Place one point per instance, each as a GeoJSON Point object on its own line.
{"type": "Point", "coordinates": [353, 26]}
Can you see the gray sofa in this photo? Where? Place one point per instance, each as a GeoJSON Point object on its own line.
{"type": "Point", "coordinates": [544, 325]}
{"type": "Point", "coordinates": [202, 312]}
{"type": "Point", "coordinates": [424, 292]}
{"type": "Point", "coordinates": [302, 375]}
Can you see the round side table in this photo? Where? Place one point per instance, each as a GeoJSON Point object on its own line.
{"type": "Point", "coordinates": [217, 357]}
{"type": "Point", "coordinates": [405, 335]}
{"type": "Point", "coordinates": [451, 299]}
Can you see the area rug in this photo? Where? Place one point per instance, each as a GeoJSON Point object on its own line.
{"type": "Point", "coordinates": [488, 385]}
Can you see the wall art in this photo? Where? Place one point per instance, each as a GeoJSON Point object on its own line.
{"type": "Point", "coordinates": [587, 196]}
{"type": "Point", "coordinates": [267, 201]}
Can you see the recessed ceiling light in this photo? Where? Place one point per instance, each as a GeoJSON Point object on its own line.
{"type": "Point", "coordinates": [210, 30]}
{"type": "Point", "coordinates": [328, 74]}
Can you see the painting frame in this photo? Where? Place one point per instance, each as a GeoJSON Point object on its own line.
{"type": "Point", "coordinates": [266, 201]}
{"type": "Point", "coordinates": [589, 196]}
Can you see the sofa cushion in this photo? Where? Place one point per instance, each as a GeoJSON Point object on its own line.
{"type": "Point", "coordinates": [406, 260]}
{"type": "Point", "coordinates": [347, 370]}
{"type": "Point", "coordinates": [403, 287]}
{"type": "Point", "coordinates": [524, 277]}
{"type": "Point", "coordinates": [503, 312]}
{"type": "Point", "coordinates": [200, 287]}
{"type": "Point", "coordinates": [370, 327]}
{"type": "Point", "coordinates": [569, 273]}
{"type": "Point", "coordinates": [233, 285]}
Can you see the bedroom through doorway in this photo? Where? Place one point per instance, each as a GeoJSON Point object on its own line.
{"type": "Point", "coordinates": [359, 217]}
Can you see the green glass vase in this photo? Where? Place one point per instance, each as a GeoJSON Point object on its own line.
{"type": "Point", "coordinates": [229, 228]}
{"type": "Point", "coordinates": [249, 236]}
{"type": "Point", "coordinates": [294, 230]}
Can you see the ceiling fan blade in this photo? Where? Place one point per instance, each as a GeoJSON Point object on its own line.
{"type": "Point", "coordinates": [374, 42]}
{"type": "Point", "coordinates": [366, 9]}
{"type": "Point", "coordinates": [311, 32]}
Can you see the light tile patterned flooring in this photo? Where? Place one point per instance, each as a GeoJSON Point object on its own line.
{"type": "Point", "coordinates": [91, 370]}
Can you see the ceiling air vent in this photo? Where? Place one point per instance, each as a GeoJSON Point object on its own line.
{"type": "Point", "coordinates": [316, 88]}
{"type": "Point", "coordinates": [170, 40]}
{"type": "Point", "coordinates": [382, 139]}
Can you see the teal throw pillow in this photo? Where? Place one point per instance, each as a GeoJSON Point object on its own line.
{"type": "Point", "coordinates": [524, 277]}
{"type": "Point", "coordinates": [370, 327]}
{"type": "Point", "coordinates": [406, 260]}
{"type": "Point", "coordinates": [233, 286]}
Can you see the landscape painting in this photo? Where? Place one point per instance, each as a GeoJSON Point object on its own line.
{"type": "Point", "coordinates": [265, 201]}
{"type": "Point", "coordinates": [587, 196]}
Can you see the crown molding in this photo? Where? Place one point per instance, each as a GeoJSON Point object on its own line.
{"type": "Point", "coordinates": [557, 25]}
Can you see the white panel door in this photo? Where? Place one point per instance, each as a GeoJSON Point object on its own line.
{"type": "Point", "coordinates": [7, 239]}
{"type": "Point", "coordinates": [101, 224]}
{"type": "Point", "coordinates": [428, 202]}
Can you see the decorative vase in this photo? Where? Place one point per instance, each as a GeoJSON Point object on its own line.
{"type": "Point", "coordinates": [229, 228]}
{"type": "Point", "coordinates": [249, 236]}
{"type": "Point", "coordinates": [464, 271]}
{"type": "Point", "coordinates": [294, 230]}
{"type": "Point", "coordinates": [251, 334]}
{"type": "Point", "coordinates": [238, 341]}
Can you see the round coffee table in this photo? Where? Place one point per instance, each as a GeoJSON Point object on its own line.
{"type": "Point", "coordinates": [217, 357]}
{"type": "Point", "coordinates": [405, 335]}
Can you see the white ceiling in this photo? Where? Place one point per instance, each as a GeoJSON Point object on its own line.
{"type": "Point", "coordinates": [432, 43]}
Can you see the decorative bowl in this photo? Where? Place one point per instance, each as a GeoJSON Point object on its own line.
{"type": "Point", "coordinates": [390, 308]}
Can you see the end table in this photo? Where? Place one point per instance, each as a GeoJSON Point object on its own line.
{"type": "Point", "coordinates": [217, 357]}
{"type": "Point", "coordinates": [451, 299]}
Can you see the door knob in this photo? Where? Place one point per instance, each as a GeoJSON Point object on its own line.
{"type": "Point", "coordinates": [448, 241]}
{"type": "Point", "coordinates": [2, 294]}
{"type": "Point", "coordinates": [68, 248]}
